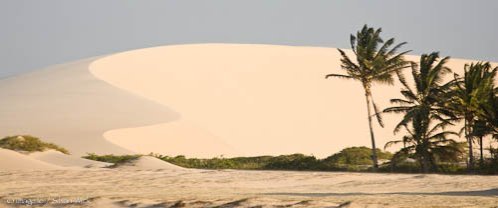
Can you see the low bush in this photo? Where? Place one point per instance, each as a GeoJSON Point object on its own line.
{"type": "Point", "coordinates": [116, 159]}
{"type": "Point", "coordinates": [28, 143]}
{"type": "Point", "coordinates": [357, 156]}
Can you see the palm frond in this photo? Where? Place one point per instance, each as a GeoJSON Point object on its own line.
{"type": "Point", "coordinates": [338, 76]}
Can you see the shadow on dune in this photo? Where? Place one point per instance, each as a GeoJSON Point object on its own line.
{"type": "Point", "coordinates": [67, 105]}
{"type": "Point", "coordinates": [489, 192]}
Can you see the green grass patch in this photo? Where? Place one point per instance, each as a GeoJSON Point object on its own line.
{"type": "Point", "coordinates": [28, 143]}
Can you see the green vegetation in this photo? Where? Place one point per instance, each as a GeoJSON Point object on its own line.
{"type": "Point", "coordinates": [28, 143]}
{"type": "Point", "coordinates": [282, 162]}
{"type": "Point", "coordinates": [357, 156]}
{"type": "Point", "coordinates": [116, 159]}
{"type": "Point", "coordinates": [376, 62]}
{"type": "Point", "coordinates": [353, 159]}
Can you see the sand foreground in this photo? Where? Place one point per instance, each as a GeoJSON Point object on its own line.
{"type": "Point", "coordinates": [231, 188]}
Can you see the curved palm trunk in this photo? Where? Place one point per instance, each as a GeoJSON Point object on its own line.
{"type": "Point", "coordinates": [372, 136]}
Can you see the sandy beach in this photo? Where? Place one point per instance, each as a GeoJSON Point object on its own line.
{"type": "Point", "coordinates": [231, 188]}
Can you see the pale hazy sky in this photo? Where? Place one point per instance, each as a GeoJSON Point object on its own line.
{"type": "Point", "coordinates": [35, 34]}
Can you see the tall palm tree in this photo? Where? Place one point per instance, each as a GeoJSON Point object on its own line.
{"type": "Point", "coordinates": [487, 122]}
{"type": "Point", "coordinates": [425, 114]}
{"type": "Point", "coordinates": [376, 62]}
{"type": "Point", "coordinates": [490, 115]}
{"type": "Point", "coordinates": [471, 95]}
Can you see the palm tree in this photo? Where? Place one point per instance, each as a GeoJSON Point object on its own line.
{"type": "Point", "coordinates": [427, 148]}
{"type": "Point", "coordinates": [490, 116]}
{"type": "Point", "coordinates": [471, 96]}
{"type": "Point", "coordinates": [487, 122]}
{"type": "Point", "coordinates": [376, 62]}
{"type": "Point", "coordinates": [425, 114]}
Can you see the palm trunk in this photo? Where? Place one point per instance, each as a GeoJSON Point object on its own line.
{"type": "Point", "coordinates": [481, 162]}
{"type": "Point", "coordinates": [423, 157]}
{"type": "Point", "coordinates": [372, 137]}
{"type": "Point", "coordinates": [469, 141]}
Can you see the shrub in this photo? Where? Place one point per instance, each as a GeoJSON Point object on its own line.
{"type": "Point", "coordinates": [116, 159]}
{"type": "Point", "coordinates": [28, 143]}
{"type": "Point", "coordinates": [292, 162]}
{"type": "Point", "coordinates": [357, 156]}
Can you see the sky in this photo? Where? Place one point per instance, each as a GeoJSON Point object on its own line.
{"type": "Point", "coordinates": [36, 34]}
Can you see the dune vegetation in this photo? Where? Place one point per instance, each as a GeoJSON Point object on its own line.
{"type": "Point", "coordinates": [27, 143]}
{"type": "Point", "coordinates": [349, 159]}
{"type": "Point", "coordinates": [116, 159]}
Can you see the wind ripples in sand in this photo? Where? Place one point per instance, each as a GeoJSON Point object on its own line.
{"type": "Point", "coordinates": [231, 188]}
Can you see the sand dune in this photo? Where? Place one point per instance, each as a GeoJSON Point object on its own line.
{"type": "Point", "coordinates": [257, 99]}
{"type": "Point", "coordinates": [11, 160]}
{"type": "Point", "coordinates": [60, 159]}
{"type": "Point", "coordinates": [148, 163]}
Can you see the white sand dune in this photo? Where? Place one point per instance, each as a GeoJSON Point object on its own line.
{"type": "Point", "coordinates": [258, 99]}
{"type": "Point", "coordinates": [61, 159]}
{"type": "Point", "coordinates": [148, 163]}
{"type": "Point", "coordinates": [12, 160]}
